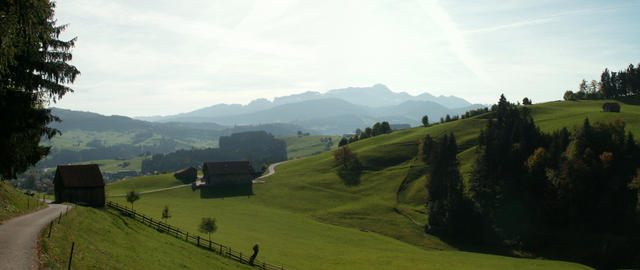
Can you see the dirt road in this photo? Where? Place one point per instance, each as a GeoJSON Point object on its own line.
{"type": "Point", "coordinates": [18, 237]}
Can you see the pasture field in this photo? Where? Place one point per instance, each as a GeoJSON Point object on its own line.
{"type": "Point", "coordinates": [105, 240]}
{"type": "Point", "coordinates": [77, 140]}
{"type": "Point", "coordinates": [303, 146]}
{"type": "Point", "coordinates": [308, 216]}
{"type": "Point", "coordinates": [111, 165]}
{"type": "Point", "coordinates": [143, 183]}
{"type": "Point", "coordinates": [298, 241]}
{"type": "Point", "coordinates": [552, 116]}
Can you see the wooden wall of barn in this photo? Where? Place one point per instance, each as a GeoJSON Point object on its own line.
{"type": "Point", "coordinates": [93, 196]}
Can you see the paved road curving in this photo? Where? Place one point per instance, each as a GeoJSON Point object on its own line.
{"type": "Point", "coordinates": [272, 170]}
{"type": "Point", "coordinates": [18, 237]}
{"type": "Point", "coordinates": [198, 182]}
{"type": "Point", "coordinates": [153, 190]}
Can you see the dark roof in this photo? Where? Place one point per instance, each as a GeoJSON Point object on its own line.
{"type": "Point", "coordinates": [80, 175]}
{"type": "Point", "coordinates": [185, 169]}
{"type": "Point", "coordinates": [227, 167]}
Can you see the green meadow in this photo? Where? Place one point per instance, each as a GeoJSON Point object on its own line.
{"type": "Point", "coordinates": [13, 202]}
{"type": "Point", "coordinates": [307, 216]}
{"type": "Point", "coordinates": [105, 240]}
{"type": "Point", "coordinates": [303, 146]}
{"type": "Point", "coordinates": [111, 165]}
{"type": "Point", "coordinates": [77, 140]}
{"type": "Point", "coordinates": [143, 183]}
{"type": "Point", "coordinates": [299, 241]}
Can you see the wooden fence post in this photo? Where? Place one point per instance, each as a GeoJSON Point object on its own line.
{"type": "Point", "coordinates": [60, 217]}
{"type": "Point", "coordinates": [187, 237]}
{"type": "Point", "coordinates": [50, 225]}
{"type": "Point", "coordinates": [71, 255]}
{"type": "Point", "coordinates": [198, 240]}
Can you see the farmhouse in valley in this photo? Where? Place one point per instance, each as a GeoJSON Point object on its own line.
{"type": "Point", "coordinates": [81, 184]}
{"type": "Point", "coordinates": [227, 173]}
{"type": "Point", "coordinates": [187, 175]}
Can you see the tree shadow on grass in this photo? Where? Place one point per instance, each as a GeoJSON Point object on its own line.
{"type": "Point", "coordinates": [349, 177]}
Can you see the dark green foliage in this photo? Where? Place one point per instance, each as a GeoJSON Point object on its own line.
{"type": "Point", "coordinates": [256, 146]}
{"type": "Point", "coordinates": [425, 120]}
{"type": "Point", "coordinates": [471, 113]}
{"type": "Point", "coordinates": [531, 188]}
{"type": "Point", "coordinates": [132, 196]}
{"type": "Point", "coordinates": [369, 132]}
{"type": "Point", "coordinates": [33, 71]}
{"type": "Point", "coordinates": [569, 95]}
{"type": "Point", "coordinates": [592, 181]}
{"type": "Point", "coordinates": [612, 85]}
{"type": "Point", "coordinates": [378, 128]}
{"type": "Point", "coordinates": [349, 167]}
{"type": "Point", "coordinates": [346, 158]}
{"type": "Point", "coordinates": [526, 101]}
{"type": "Point", "coordinates": [497, 184]}
{"type": "Point", "coordinates": [450, 212]}
{"type": "Point", "coordinates": [343, 142]}
{"type": "Point", "coordinates": [208, 225]}
{"type": "Point", "coordinates": [165, 213]}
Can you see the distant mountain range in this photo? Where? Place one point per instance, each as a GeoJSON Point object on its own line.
{"type": "Point", "coordinates": [91, 136]}
{"type": "Point", "coordinates": [335, 112]}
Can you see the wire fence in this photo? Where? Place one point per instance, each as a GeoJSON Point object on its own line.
{"type": "Point", "coordinates": [195, 239]}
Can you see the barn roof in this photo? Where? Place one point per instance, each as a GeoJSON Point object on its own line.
{"type": "Point", "coordinates": [185, 169]}
{"type": "Point", "coordinates": [88, 175]}
{"type": "Point", "coordinates": [228, 167]}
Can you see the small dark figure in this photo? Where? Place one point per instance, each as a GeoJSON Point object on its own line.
{"type": "Point", "coordinates": [255, 254]}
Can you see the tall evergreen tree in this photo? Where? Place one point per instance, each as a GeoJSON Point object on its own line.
{"type": "Point", "coordinates": [34, 70]}
{"type": "Point", "coordinates": [605, 84]}
{"type": "Point", "coordinates": [425, 120]}
{"type": "Point", "coordinates": [496, 183]}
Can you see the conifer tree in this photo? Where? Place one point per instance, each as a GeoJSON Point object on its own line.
{"type": "Point", "coordinates": [34, 70]}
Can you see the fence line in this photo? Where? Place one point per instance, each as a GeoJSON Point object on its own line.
{"type": "Point", "coordinates": [221, 249]}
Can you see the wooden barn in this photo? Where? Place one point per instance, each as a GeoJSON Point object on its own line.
{"type": "Point", "coordinates": [611, 107]}
{"type": "Point", "coordinates": [81, 184]}
{"type": "Point", "coordinates": [227, 173]}
{"type": "Point", "coordinates": [187, 175]}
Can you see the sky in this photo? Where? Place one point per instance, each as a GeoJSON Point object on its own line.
{"type": "Point", "coordinates": [143, 58]}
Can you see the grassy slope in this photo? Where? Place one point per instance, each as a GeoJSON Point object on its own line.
{"type": "Point", "coordinates": [298, 147]}
{"type": "Point", "coordinates": [104, 240]}
{"type": "Point", "coordinates": [555, 115]}
{"type": "Point", "coordinates": [77, 140]}
{"type": "Point", "coordinates": [310, 188]}
{"type": "Point", "coordinates": [142, 183]}
{"type": "Point", "coordinates": [14, 203]}
{"type": "Point", "coordinates": [299, 242]}
{"type": "Point", "coordinates": [110, 165]}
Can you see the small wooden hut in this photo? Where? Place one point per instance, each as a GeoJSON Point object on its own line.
{"type": "Point", "coordinates": [80, 184]}
{"type": "Point", "coordinates": [187, 175]}
{"type": "Point", "coordinates": [611, 107]}
{"type": "Point", "coordinates": [228, 173]}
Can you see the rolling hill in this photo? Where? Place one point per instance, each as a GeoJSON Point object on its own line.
{"type": "Point", "coordinates": [89, 136]}
{"type": "Point", "coordinates": [387, 202]}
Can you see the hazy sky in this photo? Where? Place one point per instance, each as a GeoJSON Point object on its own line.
{"type": "Point", "coordinates": [164, 57]}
